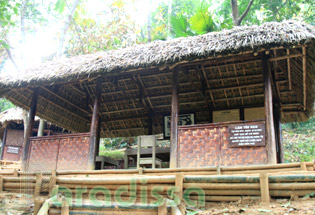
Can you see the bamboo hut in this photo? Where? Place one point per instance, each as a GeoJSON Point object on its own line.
{"type": "Point", "coordinates": [251, 75]}
{"type": "Point", "coordinates": [12, 132]}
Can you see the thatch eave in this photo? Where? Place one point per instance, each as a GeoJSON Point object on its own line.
{"type": "Point", "coordinates": [217, 71]}
{"type": "Point", "coordinates": [159, 53]}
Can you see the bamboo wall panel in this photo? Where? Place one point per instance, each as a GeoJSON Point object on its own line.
{"type": "Point", "coordinates": [43, 154]}
{"type": "Point", "coordinates": [14, 138]}
{"type": "Point", "coordinates": [208, 145]}
{"type": "Point", "coordinates": [59, 152]}
{"type": "Point", "coordinates": [73, 153]}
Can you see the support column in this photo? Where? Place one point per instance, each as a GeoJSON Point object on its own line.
{"type": "Point", "coordinates": [174, 120]}
{"type": "Point", "coordinates": [270, 129]}
{"type": "Point", "coordinates": [3, 143]}
{"type": "Point", "coordinates": [41, 128]}
{"type": "Point", "coordinates": [28, 129]}
{"type": "Point", "coordinates": [95, 126]}
{"type": "Point", "coordinates": [150, 123]}
{"type": "Point", "coordinates": [277, 118]}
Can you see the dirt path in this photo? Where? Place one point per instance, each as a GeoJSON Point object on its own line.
{"type": "Point", "coordinates": [18, 204]}
{"type": "Point", "coordinates": [15, 204]}
{"type": "Point", "coordinates": [279, 206]}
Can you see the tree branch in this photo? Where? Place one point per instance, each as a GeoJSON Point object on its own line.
{"type": "Point", "coordinates": [281, 6]}
{"type": "Point", "coordinates": [11, 58]}
{"type": "Point", "coordinates": [245, 12]}
{"type": "Point", "coordinates": [66, 26]}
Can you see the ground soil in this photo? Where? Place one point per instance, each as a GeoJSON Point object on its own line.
{"type": "Point", "coordinates": [13, 204]}
{"type": "Point", "coordinates": [276, 206]}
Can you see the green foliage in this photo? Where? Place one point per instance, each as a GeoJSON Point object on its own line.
{"type": "Point", "coordinates": [202, 21]}
{"type": "Point", "coordinates": [299, 141]}
{"type": "Point", "coordinates": [7, 9]}
{"type": "Point", "coordinates": [5, 104]}
{"type": "Point", "coordinates": [117, 142]}
{"type": "Point", "coordinates": [275, 10]}
{"type": "Point", "coordinates": [115, 30]}
{"type": "Point", "coordinates": [180, 26]}
{"type": "Point", "coordinates": [117, 154]}
{"type": "Point", "coordinates": [60, 6]}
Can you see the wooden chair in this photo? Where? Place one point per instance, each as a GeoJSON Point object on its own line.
{"type": "Point", "coordinates": [147, 142]}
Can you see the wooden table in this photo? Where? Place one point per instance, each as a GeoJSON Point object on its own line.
{"type": "Point", "coordinates": [162, 153]}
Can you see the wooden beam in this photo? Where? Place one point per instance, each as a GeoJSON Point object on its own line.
{"type": "Point", "coordinates": [285, 57]}
{"type": "Point", "coordinates": [65, 100]}
{"type": "Point", "coordinates": [174, 120]}
{"type": "Point", "coordinates": [95, 125]}
{"type": "Point", "coordinates": [289, 70]}
{"type": "Point", "coordinates": [204, 75]}
{"type": "Point", "coordinates": [51, 119]}
{"type": "Point", "coordinates": [60, 107]}
{"type": "Point", "coordinates": [270, 129]}
{"type": "Point", "coordinates": [304, 78]}
{"type": "Point", "coordinates": [29, 127]}
{"type": "Point", "coordinates": [145, 92]}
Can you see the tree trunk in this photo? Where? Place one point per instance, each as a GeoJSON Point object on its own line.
{"type": "Point", "coordinates": [235, 12]}
{"type": "Point", "coordinates": [237, 19]}
{"type": "Point", "coordinates": [66, 27]}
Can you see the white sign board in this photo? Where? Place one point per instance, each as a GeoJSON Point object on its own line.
{"type": "Point", "coordinates": [13, 150]}
{"type": "Point", "coordinates": [226, 115]}
{"type": "Point", "coordinates": [254, 113]}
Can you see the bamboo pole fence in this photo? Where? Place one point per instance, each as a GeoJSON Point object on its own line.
{"type": "Point", "coordinates": [146, 186]}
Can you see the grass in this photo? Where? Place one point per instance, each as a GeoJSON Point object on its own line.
{"type": "Point", "coordinates": [116, 154]}
{"type": "Point", "coordinates": [299, 141]}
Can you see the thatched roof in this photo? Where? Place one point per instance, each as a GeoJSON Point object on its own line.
{"type": "Point", "coordinates": [159, 53]}
{"type": "Point", "coordinates": [15, 115]}
{"type": "Point", "coordinates": [219, 70]}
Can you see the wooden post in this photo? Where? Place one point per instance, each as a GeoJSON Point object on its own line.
{"type": "Point", "coordinates": [162, 209]}
{"type": "Point", "coordinates": [53, 180]}
{"type": "Point", "coordinates": [126, 160]}
{"type": "Point", "coordinates": [37, 206]}
{"type": "Point", "coordinates": [303, 166]}
{"type": "Point", "coordinates": [1, 183]}
{"type": "Point", "coordinates": [28, 129]}
{"type": "Point", "coordinates": [174, 120]}
{"type": "Point", "coordinates": [154, 154]}
{"type": "Point", "coordinates": [95, 125]}
{"type": "Point", "coordinates": [179, 183]}
{"type": "Point", "coordinates": [38, 184]}
{"type": "Point", "coordinates": [98, 138]}
{"type": "Point", "coordinates": [41, 128]}
{"type": "Point", "coordinates": [270, 129]}
{"type": "Point", "coordinates": [264, 188]}
{"type": "Point", "coordinates": [64, 206]}
{"type": "Point", "coordinates": [278, 130]}
{"type": "Point", "coordinates": [150, 123]}
{"type": "Point", "coordinates": [3, 143]}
